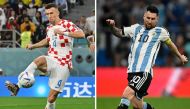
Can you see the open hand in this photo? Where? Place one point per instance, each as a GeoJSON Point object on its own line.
{"type": "Point", "coordinates": [184, 59]}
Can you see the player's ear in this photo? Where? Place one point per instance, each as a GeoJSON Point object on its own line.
{"type": "Point", "coordinates": [58, 12]}
{"type": "Point", "coordinates": [144, 15]}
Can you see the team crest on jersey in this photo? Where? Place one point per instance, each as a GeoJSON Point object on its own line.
{"type": "Point", "coordinates": [154, 34]}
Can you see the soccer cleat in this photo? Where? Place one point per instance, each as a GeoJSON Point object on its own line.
{"type": "Point", "coordinates": [13, 88]}
{"type": "Point", "coordinates": [122, 106]}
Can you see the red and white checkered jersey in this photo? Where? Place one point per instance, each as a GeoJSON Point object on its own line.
{"type": "Point", "coordinates": [60, 46]}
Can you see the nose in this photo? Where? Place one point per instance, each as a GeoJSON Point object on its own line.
{"type": "Point", "coordinates": [149, 21]}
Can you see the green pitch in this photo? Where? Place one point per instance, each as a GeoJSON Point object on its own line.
{"type": "Point", "coordinates": [158, 103]}
{"type": "Point", "coordinates": [39, 103]}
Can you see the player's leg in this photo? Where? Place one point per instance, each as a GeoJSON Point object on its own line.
{"type": "Point", "coordinates": [57, 79]}
{"type": "Point", "coordinates": [51, 99]}
{"type": "Point", "coordinates": [125, 101]}
{"type": "Point", "coordinates": [140, 88]}
{"type": "Point", "coordinates": [137, 102]}
{"type": "Point", "coordinates": [136, 89]}
{"type": "Point", "coordinates": [37, 63]}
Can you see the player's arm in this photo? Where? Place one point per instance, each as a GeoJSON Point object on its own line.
{"type": "Point", "coordinates": [174, 49]}
{"type": "Point", "coordinates": [42, 43]}
{"type": "Point", "coordinates": [76, 34]}
{"type": "Point", "coordinates": [116, 31]}
{"type": "Point", "coordinates": [91, 40]}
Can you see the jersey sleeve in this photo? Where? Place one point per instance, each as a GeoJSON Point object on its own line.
{"type": "Point", "coordinates": [130, 31]}
{"type": "Point", "coordinates": [164, 35]}
{"type": "Point", "coordinates": [71, 27]}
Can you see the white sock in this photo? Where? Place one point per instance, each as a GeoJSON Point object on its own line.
{"type": "Point", "coordinates": [50, 105]}
{"type": "Point", "coordinates": [31, 68]}
{"type": "Point", "coordinates": [19, 85]}
{"type": "Point", "coordinates": [125, 101]}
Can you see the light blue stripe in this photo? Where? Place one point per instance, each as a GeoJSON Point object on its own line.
{"type": "Point", "coordinates": [155, 54]}
{"type": "Point", "coordinates": [138, 50]}
{"type": "Point", "coordinates": [149, 50]}
{"type": "Point", "coordinates": [137, 30]}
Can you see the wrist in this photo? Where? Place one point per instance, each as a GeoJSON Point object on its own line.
{"type": "Point", "coordinates": [90, 39]}
{"type": "Point", "coordinates": [92, 43]}
{"type": "Point", "coordinates": [66, 33]}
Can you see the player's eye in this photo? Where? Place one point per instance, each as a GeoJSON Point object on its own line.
{"type": "Point", "coordinates": [153, 18]}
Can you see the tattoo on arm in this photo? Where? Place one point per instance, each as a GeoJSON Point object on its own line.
{"type": "Point", "coordinates": [117, 32]}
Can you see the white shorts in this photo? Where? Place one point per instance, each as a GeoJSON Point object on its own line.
{"type": "Point", "coordinates": [58, 74]}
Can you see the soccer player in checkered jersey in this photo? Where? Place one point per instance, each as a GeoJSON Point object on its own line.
{"type": "Point", "coordinates": [60, 36]}
{"type": "Point", "coordinates": [146, 40]}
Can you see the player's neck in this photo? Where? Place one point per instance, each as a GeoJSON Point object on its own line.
{"type": "Point", "coordinates": [57, 21]}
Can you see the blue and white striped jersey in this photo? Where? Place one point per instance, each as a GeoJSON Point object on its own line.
{"type": "Point", "coordinates": [145, 46]}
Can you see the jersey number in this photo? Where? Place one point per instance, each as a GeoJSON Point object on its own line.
{"type": "Point", "coordinates": [58, 84]}
{"type": "Point", "coordinates": [143, 38]}
{"type": "Point", "coordinates": [136, 79]}
{"type": "Point", "coordinates": [54, 43]}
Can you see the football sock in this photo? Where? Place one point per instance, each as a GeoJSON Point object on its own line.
{"type": "Point", "coordinates": [124, 103]}
{"type": "Point", "coordinates": [147, 106]}
{"type": "Point", "coordinates": [31, 68]}
{"type": "Point", "coordinates": [19, 85]}
{"type": "Point", "coordinates": [50, 105]}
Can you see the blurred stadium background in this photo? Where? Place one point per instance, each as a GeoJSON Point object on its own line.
{"type": "Point", "coordinates": [23, 22]}
{"type": "Point", "coordinates": [170, 86]}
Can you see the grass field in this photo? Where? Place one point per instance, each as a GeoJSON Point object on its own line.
{"type": "Point", "coordinates": [39, 103]}
{"type": "Point", "coordinates": [158, 103]}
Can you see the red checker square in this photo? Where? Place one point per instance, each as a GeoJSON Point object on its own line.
{"type": "Point", "coordinates": [63, 58]}
{"type": "Point", "coordinates": [68, 25]}
{"type": "Point", "coordinates": [62, 63]}
{"type": "Point", "coordinates": [67, 56]}
{"type": "Point", "coordinates": [62, 44]}
{"type": "Point", "coordinates": [61, 37]}
{"type": "Point", "coordinates": [66, 40]}
{"type": "Point", "coordinates": [55, 52]}
{"type": "Point", "coordinates": [70, 52]}
{"type": "Point", "coordinates": [73, 30]}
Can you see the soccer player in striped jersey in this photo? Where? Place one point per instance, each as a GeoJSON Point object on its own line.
{"type": "Point", "coordinates": [146, 40]}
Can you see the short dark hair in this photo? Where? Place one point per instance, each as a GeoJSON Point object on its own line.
{"type": "Point", "coordinates": [152, 9]}
{"type": "Point", "coordinates": [51, 5]}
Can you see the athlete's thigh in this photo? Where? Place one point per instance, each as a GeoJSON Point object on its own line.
{"type": "Point", "coordinates": [58, 77]}
{"type": "Point", "coordinates": [140, 83]}
{"type": "Point", "coordinates": [40, 61]}
{"type": "Point", "coordinates": [50, 64]}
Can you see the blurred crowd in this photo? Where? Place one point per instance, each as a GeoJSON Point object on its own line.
{"type": "Point", "coordinates": [28, 19]}
{"type": "Point", "coordinates": [173, 15]}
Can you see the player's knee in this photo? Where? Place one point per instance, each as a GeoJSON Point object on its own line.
{"type": "Point", "coordinates": [137, 106]}
{"type": "Point", "coordinates": [39, 61]}
{"type": "Point", "coordinates": [128, 93]}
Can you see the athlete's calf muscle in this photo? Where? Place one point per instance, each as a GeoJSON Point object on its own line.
{"type": "Point", "coordinates": [128, 93]}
